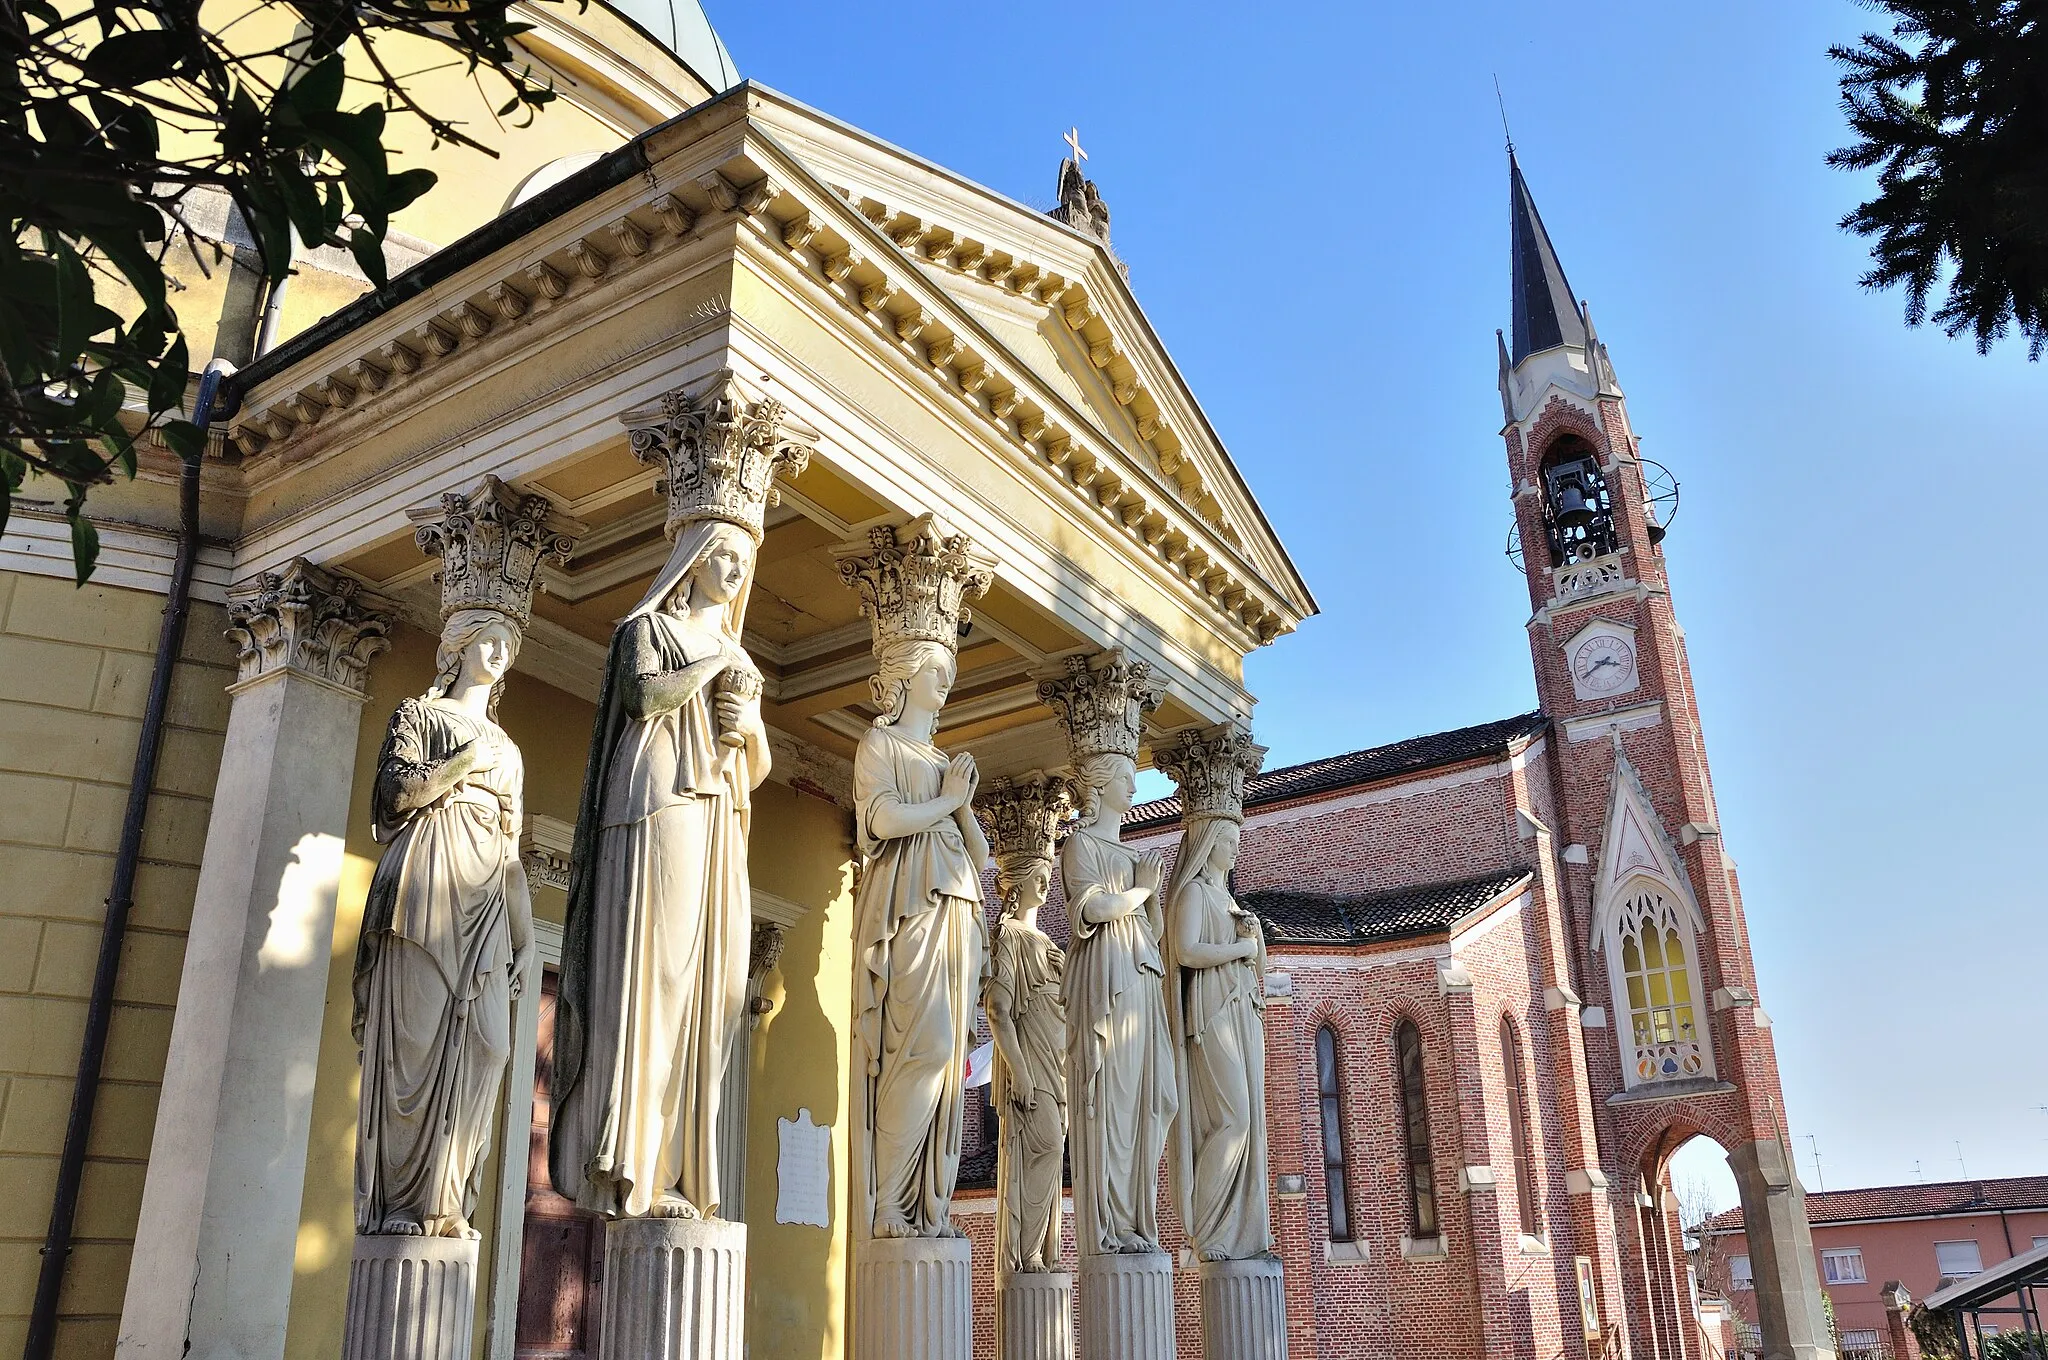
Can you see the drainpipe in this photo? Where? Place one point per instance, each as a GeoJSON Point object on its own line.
{"type": "Point", "coordinates": [42, 1323]}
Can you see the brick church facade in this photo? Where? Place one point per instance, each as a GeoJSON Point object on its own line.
{"type": "Point", "coordinates": [1511, 974]}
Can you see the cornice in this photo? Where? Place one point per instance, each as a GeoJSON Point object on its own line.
{"type": "Point", "coordinates": [603, 251]}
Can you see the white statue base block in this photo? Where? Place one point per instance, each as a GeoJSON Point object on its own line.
{"type": "Point", "coordinates": [1127, 1307]}
{"type": "Point", "coordinates": [914, 1297]}
{"type": "Point", "coordinates": [1036, 1313]}
{"type": "Point", "coordinates": [410, 1298]}
{"type": "Point", "coordinates": [1244, 1310]}
{"type": "Point", "coordinates": [674, 1289]}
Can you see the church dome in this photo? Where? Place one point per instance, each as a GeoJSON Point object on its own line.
{"type": "Point", "coordinates": [680, 26]}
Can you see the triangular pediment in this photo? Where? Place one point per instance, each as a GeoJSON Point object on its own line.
{"type": "Point", "coordinates": [1053, 300]}
{"type": "Point", "coordinates": [1634, 845]}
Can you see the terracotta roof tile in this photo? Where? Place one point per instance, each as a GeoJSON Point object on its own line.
{"type": "Point", "coordinates": [1374, 918]}
{"type": "Point", "coordinates": [1371, 765]}
{"type": "Point", "coordinates": [1911, 1201]}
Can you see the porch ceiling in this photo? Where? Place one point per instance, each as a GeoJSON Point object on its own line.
{"type": "Point", "coordinates": [804, 627]}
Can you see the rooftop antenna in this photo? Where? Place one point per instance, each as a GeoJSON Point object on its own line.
{"type": "Point", "coordinates": [1503, 114]}
{"type": "Point", "coordinates": [1918, 1175]}
{"type": "Point", "coordinates": [1820, 1181]}
{"type": "Point", "coordinates": [1959, 1159]}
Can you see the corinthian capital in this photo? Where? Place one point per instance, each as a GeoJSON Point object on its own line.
{"type": "Point", "coordinates": [1101, 704]}
{"type": "Point", "coordinates": [492, 542]}
{"type": "Point", "coordinates": [308, 620]}
{"type": "Point", "coordinates": [1023, 817]}
{"type": "Point", "coordinates": [1211, 768]}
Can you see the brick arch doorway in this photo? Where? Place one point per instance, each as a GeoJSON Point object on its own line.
{"type": "Point", "coordinates": [1693, 1172]}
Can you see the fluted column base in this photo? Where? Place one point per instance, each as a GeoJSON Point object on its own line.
{"type": "Point", "coordinates": [1244, 1310]}
{"type": "Point", "coordinates": [1035, 1312]}
{"type": "Point", "coordinates": [914, 1297]}
{"type": "Point", "coordinates": [674, 1289]}
{"type": "Point", "coordinates": [410, 1298]}
{"type": "Point", "coordinates": [1127, 1307]}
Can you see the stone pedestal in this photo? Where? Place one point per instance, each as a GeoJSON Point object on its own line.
{"type": "Point", "coordinates": [1244, 1310]}
{"type": "Point", "coordinates": [1035, 1315]}
{"type": "Point", "coordinates": [914, 1296]}
{"type": "Point", "coordinates": [410, 1298]}
{"type": "Point", "coordinates": [1127, 1307]}
{"type": "Point", "coordinates": [674, 1289]}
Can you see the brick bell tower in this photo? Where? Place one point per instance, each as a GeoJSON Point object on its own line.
{"type": "Point", "coordinates": [1675, 1041]}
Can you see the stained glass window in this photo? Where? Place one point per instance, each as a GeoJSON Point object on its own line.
{"type": "Point", "coordinates": [1330, 1099]}
{"type": "Point", "coordinates": [1657, 976]}
{"type": "Point", "coordinates": [1518, 1130]}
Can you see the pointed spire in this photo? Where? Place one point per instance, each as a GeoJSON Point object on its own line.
{"type": "Point", "coordinates": [1545, 313]}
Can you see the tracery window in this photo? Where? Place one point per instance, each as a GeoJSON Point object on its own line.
{"type": "Point", "coordinates": [1330, 1102]}
{"type": "Point", "coordinates": [1658, 982]}
{"type": "Point", "coordinates": [1526, 1203]}
{"type": "Point", "coordinates": [1422, 1214]}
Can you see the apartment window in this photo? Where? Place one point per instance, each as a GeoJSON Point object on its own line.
{"type": "Point", "coordinates": [1330, 1100]}
{"type": "Point", "coordinates": [1422, 1216]}
{"type": "Point", "coordinates": [1518, 1130]}
{"type": "Point", "coordinates": [1738, 1273]}
{"type": "Point", "coordinates": [2040, 1242]}
{"type": "Point", "coordinates": [1842, 1265]}
{"type": "Point", "coordinates": [1957, 1259]}
{"type": "Point", "coordinates": [1857, 1342]}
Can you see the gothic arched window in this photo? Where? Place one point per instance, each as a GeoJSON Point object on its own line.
{"type": "Point", "coordinates": [1518, 1130]}
{"type": "Point", "coordinates": [1330, 1104]}
{"type": "Point", "coordinates": [1661, 1039]}
{"type": "Point", "coordinates": [1414, 1091]}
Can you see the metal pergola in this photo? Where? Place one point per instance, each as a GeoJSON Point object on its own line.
{"type": "Point", "coordinates": [2006, 1290]}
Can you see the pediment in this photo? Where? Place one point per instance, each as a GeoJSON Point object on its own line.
{"type": "Point", "coordinates": [1056, 303]}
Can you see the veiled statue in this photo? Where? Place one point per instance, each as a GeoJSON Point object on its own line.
{"type": "Point", "coordinates": [1216, 998]}
{"type": "Point", "coordinates": [1120, 1057]}
{"type": "Point", "coordinates": [917, 920]}
{"type": "Point", "coordinates": [447, 935]}
{"type": "Point", "coordinates": [659, 929]}
{"type": "Point", "coordinates": [1026, 1006]}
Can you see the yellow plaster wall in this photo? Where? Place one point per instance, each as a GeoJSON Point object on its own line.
{"type": "Point", "coordinates": [801, 850]}
{"type": "Point", "coordinates": [74, 675]}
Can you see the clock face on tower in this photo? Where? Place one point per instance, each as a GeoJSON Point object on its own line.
{"type": "Point", "coordinates": [1603, 664]}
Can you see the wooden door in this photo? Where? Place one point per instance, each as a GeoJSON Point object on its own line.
{"type": "Point", "coordinates": [561, 1261]}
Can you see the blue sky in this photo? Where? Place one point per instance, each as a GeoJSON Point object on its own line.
{"type": "Point", "coordinates": [1313, 202]}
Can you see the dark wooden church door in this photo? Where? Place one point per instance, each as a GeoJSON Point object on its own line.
{"type": "Point", "coordinates": [561, 1264]}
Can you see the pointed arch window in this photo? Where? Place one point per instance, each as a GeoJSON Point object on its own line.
{"type": "Point", "coordinates": [1330, 1105]}
{"type": "Point", "coordinates": [1414, 1092]}
{"type": "Point", "coordinates": [1659, 983]}
{"type": "Point", "coordinates": [1524, 1149]}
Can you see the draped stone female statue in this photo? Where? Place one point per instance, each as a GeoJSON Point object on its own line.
{"type": "Point", "coordinates": [659, 926]}
{"type": "Point", "coordinates": [1216, 966]}
{"type": "Point", "coordinates": [1120, 1059]}
{"type": "Point", "coordinates": [917, 919]}
{"type": "Point", "coordinates": [447, 934]}
{"type": "Point", "coordinates": [1026, 1009]}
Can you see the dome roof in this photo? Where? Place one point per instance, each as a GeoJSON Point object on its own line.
{"type": "Point", "coordinates": [680, 26]}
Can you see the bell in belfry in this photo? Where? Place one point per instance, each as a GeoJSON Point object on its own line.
{"type": "Point", "coordinates": [1570, 498]}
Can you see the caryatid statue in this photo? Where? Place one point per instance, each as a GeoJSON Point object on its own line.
{"type": "Point", "coordinates": [655, 949]}
{"type": "Point", "coordinates": [1216, 999]}
{"type": "Point", "coordinates": [447, 936]}
{"type": "Point", "coordinates": [917, 919]}
{"type": "Point", "coordinates": [1120, 1057]}
{"type": "Point", "coordinates": [1027, 1014]}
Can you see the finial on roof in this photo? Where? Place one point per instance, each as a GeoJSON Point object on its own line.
{"type": "Point", "coordinates": [1546, 314]}
{"type": "Point", "coordinates": [1080, 205]}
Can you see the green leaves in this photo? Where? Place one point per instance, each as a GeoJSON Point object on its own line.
{"type": "Point", "coordinates": [1951, 112]}
{"type": "Point", "coordinates": [96, 192]}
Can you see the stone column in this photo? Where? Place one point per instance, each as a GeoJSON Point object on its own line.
{"type": "Point", "coordinates": [1781, 1256]}
{"type": "Point", "coordinates": [674, 1289]}
{"type": "Point", "coordinates": [211, 1272]}
{"type": "Point", "coordinates": [1244, 1301]}
{"type": "Point", "coordinates": [1127, 1307]}
{"type": "Point", "coordinates": [912, 1295]}
{"type": "Point", "coordinates": [410, 1298]}
{"type": "Point", "coordinates": [1034, 1307]}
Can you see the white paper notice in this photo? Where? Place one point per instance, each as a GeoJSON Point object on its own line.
{"type": "Point", "coordinates": [803, 1174]}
